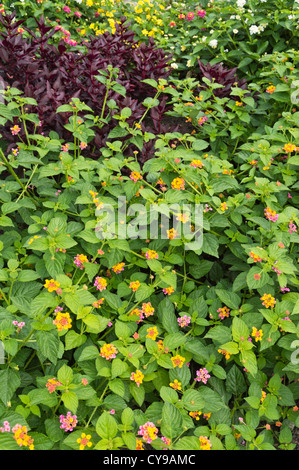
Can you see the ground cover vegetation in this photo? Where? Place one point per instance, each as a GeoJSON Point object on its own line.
{"type": "Point", "coordinates": [139, 342]}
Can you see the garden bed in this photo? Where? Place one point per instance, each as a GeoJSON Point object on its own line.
{"type": "Point", "coordinates": [149, 217]}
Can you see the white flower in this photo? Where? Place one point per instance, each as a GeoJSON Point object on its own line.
{"type": "Point", "coordinates": [241, 3]}
{"type": "Point", "coordinates": [238, 17]}
{"type": "Point", "coordinates": [291, 17]}
{"type": "Point", "coordinates": [189, 63]}
{"type": "Point", "coordinates": [213, 43]}
{"type": "Point", "coordinates": [254, 29]}
{"type": "Point", "coordinates": [235, 31]}
{"type": "Point", "coordinates": [204, 38]}
{"type": "Point", "coordinates": [174, 65]}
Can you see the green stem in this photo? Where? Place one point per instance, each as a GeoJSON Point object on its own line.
{"type": "Point", "coordinates": [96, 407]}
{"type": "Point", "coordinates": [12, 172]}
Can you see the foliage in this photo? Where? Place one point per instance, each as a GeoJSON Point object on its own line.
{"type": "Point", "coordinates": [143, 342]}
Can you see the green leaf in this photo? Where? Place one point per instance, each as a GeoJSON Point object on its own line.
{"type": "Point", "coordinates": [65, 375]}
{"type": "Point", "coordinates": [169, 319]}
{"type": "Point", "coordinates": [230, 347]}
{"type": "Point", "coordinates": [117, 387]}
{"type": "Point", "coordinates": [285, 435]}
{"type": "Point", "coordinates": [174, 341]}
{"type": "Point", "coordinates": [143, 292]}
{"type": "Point", "coordinates": [213, 401]}
{"type": "Point", "coordinates": [193, 401]}
{"type": "Point", "coordinates": [249, 361]}
{"type": "Point", "coordinates": [118, 368]}
{"type": "Point", "coordinates": [70, 401]}
{"type": "Point", "coordinates": [48, 344]}
{"type": "Point", "coordinates": [187, 443]}
{"type": "Point", "coordinates": [168, 394]}
{"type": "Point", "coordinates": [138, 393]}
{"type": "Point", "coordinates": [53, 429]}
{"type": "Point", "coordinates": [27, 275]}
{"type": "Point", "coordinates": [229, 299]}
{"type": "Point", "coordinates": [95, 323]}
{"type": "Point", "coordinates": [127, 416]}
{"type": "Point", "coordinates": [247, 432]}
{"type": "Point", "coordinates": [257, 278]}
{"type": "Point", "coordinates": [9, 382]}
{"type": "Point", "coordinates": [235, 382]}
{"type": "Point", "coordinates": [171, 420]}
{"type": "Point", "coordinates": [41, 441]}
{"type": "Point", "coordinates": [106, 426]}
{"type": "Point", "coordinates": [240, 330]}
{"type": "Point", "coordinates": [210, 244]}
{"type": "Point", "coordinates": [73, 340]}
{"type": "Point", "coordinates": [54, 263]}
{"type": "Point", "coordinates": [7, 442]}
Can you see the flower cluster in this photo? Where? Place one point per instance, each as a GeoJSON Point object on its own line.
{"type": "Point", "coordinates": [268, 300]}
{"type": "Point", "coordinates": [63, 321]}
{"type": "Point", "coordinates": [148, 431]}
{"type": "Point", "coordinates": [100, 283]}
{"type": "Point", "coordinates": [68, 422]}
{"type": "Point", "coordinates": [137, 377]}
{"type": "Point", "coordinates": [79, 261]}
{"type": "Point", "coordinates": [21, 436]}
{"type": "Point", "coordinates": [108, 351]}
{"type": "Point", "coordinates": [52, 384]}
{"type": "Point", "coordinates": [223, 312]}
{"type": "Point", "coordinates": [84, 441]}
{"type": "Point", "coordinates": [202, 375]}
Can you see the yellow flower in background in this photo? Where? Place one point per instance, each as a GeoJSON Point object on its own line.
{"type": "Point", "coordinates": [226, 354]}
{"type": "Point", "coordinates": [63, 321]}
{"type": "Point", "coordinates": [108, 351]}
{"type": "Point", "coordinates": [257, 334]}
{"type": "Point", "coordinates": [223, 206]}
{"type": "Point", "coordinates": [51, 285]}
{"type": "Point", "coordinates": [178, 183]}
{"type": "Point", "coordinates": [178, 361]}
{"type": "Point", "coordinates": [21, 436]}
{"type": "Point", "coordinates": [268, 300]}
{"type": "Point", "coordinates": [176, 385]}
{"type": "Point", "coordinates": [137, 377]}
{"type": "Point", "coordinates": [139, 444]}
{"type": "Point", "coordinates": [118, 268]}
{"type": "Point", "coordinates": [134, 285]}
{"type": "Point", "coordinates": [205, 444]}
{"type": "Point", "coordinates": [152, 333]}
{"type": "Point", "coordinates": [264, 394]}
{"type": "Point", "coordinates": [147, 309]}
{"type": "Point", "coordinates": [84, 441]}
{"type": "Point", "coordinates": [195, 414]}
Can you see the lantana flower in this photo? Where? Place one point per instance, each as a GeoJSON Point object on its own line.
{"type": "Point", "coordinates": [108, 352]}
{"type": "Point", "coordinates": [51, 285]}
{"type": "Point", "coordinates": [84, 441]}
{"type": "Point", "coordinates": [137, 377]}
{"type": "Point", "coordinates": [100, 283]}
{"type": "Point", "coordinates": [178, 361]}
